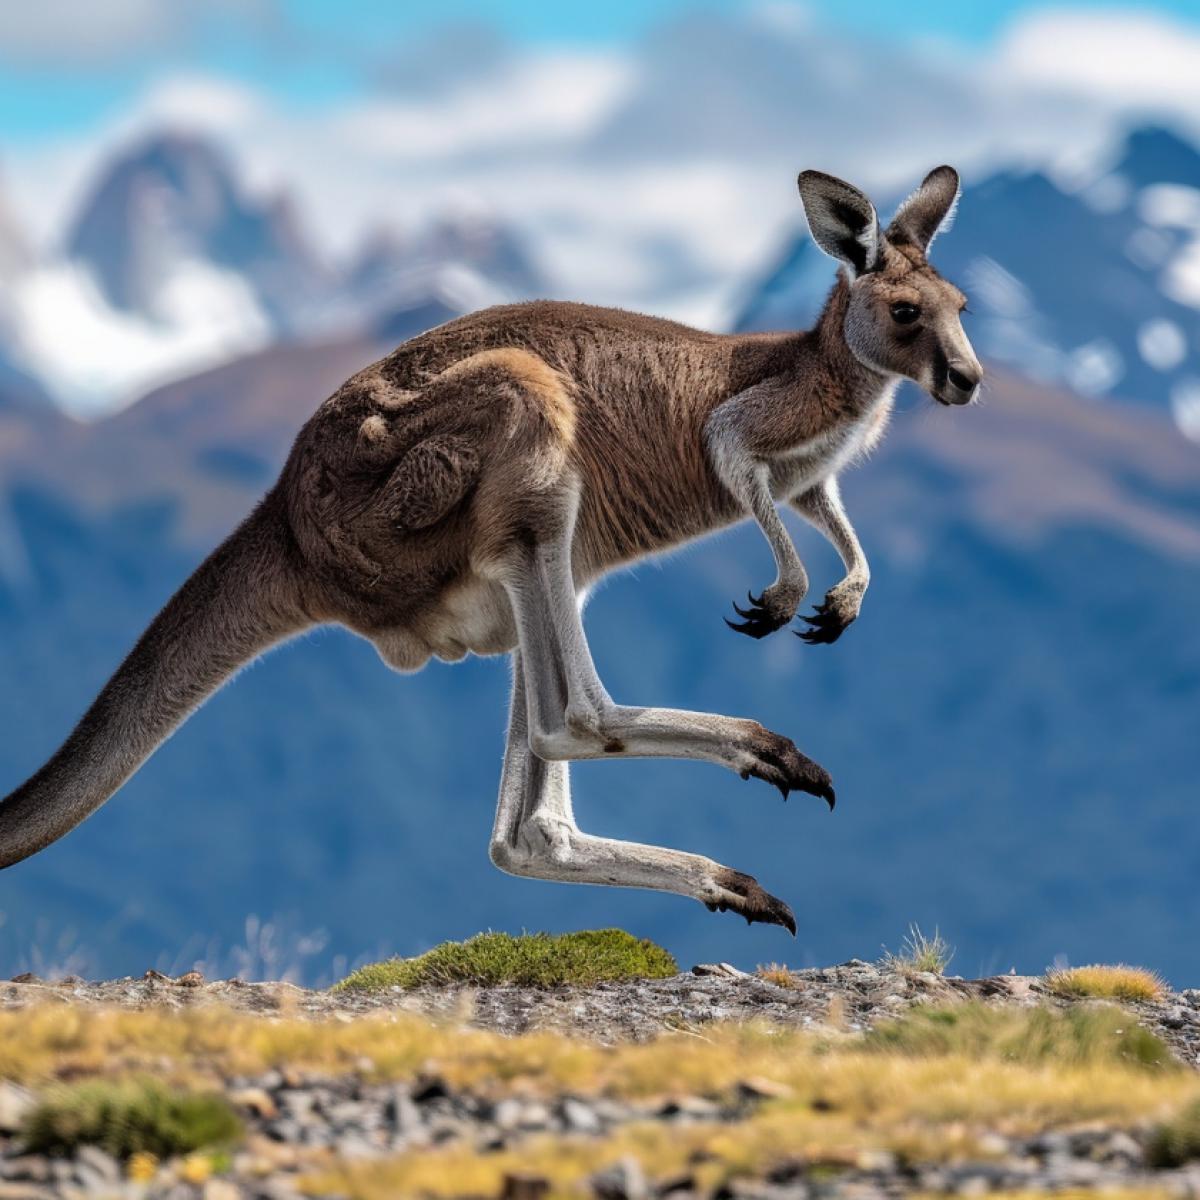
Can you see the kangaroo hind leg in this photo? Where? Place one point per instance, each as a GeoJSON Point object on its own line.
{"type": "Point", "coordinates": [572, 717]}
{"type": "Point", "coordinates": [535, 835]}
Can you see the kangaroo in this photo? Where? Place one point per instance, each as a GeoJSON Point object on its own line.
{"type": "Point", "coordinates": [462, 494]}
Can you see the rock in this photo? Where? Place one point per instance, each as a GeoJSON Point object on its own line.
{"type": "Point", "coordinates": [1121, 1147]}
{"type": "Point", "coordinates": [257, 1100]}
{"type": "Point", "coordinates": [578, 1116]}
{"type": "Point", "coordinates": [429, 1088]}
{"type": "Point", "coordinates": [521, 1186]}
{"type": "Point", "coordinates": [220, 1189]}
{"type": "Point", "coordinates": [878, 1161]}
{"type": "Point", "coordinates": [690, 1108]}
{"type": "Point", "coordinates": [153, 976]}
{"type": "Point", "coordinates": [26, 1168]}
{"type": "Point", "coordinates": [757, 1088]}
{"type": "Point", "coordinates": [190, 979]}
{"type": "Point", "coordinates": [403, 1114]}
{"type": "Point", "coordinates": [507, 1114]}
{"type": "Point", "coordinates": [720, 970]}
{"type": "Point", "coordinates": [26, 1191]}
{"type": "Point", "coordinates": [94, 1164]}
{"type": "Point", "coordinates": [26, 977]}
{"type": "Point", "coordinates": [624, 1180]}
{"type": "Point", "coordinates": [15, 1104]}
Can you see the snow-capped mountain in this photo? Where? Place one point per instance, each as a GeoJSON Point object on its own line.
{"type": "Point", "coordinates": [464, 261]}
{"type": "Point", "coordinates": [172, 266]}
{"type": "Point", "coordinates": [1096, 285]}
{"type": "Point", "coordinates": [169, 212]}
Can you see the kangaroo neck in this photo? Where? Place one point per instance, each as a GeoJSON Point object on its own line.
{"type": "Point", "coordinates": [861, 386]}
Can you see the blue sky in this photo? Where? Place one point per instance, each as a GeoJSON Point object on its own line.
{"type": "Point", "coordinates": [308, 53]}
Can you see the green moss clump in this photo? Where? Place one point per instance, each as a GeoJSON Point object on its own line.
{"type": "Point", "coordinates": [531, 960]}
{"type": "Point", "coordinates": [126, 1117]}
{"type": "Point", "coordinates": [1077, 1036]}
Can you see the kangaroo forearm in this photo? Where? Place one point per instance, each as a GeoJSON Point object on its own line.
{"type": "Point", "coordinates": [822, 508]}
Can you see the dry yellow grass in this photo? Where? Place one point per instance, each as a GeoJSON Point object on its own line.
{"type": "Point", "coordinates": [1116, 982]}
{"type": "Point", "coordinates": [926, 1088]}
{"type": "Point", "coordinates": [779, 974]}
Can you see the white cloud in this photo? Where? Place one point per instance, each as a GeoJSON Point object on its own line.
{"type": "Point", "coordinates": [68, 33]}
{"type": "Point", "coordinates": [538, 98]}
{"type": "Point", "coordinates": [540, 138]}
{"type": "Point", "coordinates": [1120, 59]}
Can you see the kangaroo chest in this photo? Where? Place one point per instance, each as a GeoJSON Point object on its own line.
{"type": "Point", "coordinates": [835, 448]}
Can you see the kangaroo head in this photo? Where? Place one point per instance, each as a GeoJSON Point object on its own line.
{"type": "Point", "coordinates": [902, 318]}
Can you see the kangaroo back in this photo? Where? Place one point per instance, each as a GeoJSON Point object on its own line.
{"type": "Point", "coordinates": [242, 599]}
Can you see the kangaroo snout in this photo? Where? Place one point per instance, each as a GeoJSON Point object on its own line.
{"type": "Point", "coordinates": [963, 379]}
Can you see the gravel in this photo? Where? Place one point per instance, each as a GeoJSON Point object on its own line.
{"type": "Point", "coordinates": [296, 1119]}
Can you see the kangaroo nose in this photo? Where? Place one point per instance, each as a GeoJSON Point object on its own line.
{"type": "Point", "coordinates": [963, 381]}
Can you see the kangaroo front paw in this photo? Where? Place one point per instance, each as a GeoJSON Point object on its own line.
{"type": "Point", "coordinates": [734, 892]}
{"type": "Point", "coordinates": [767, 613]}
{"type": "Point", "coordinates": [833, 616]}
{"type": "Point", "coordinates": [775, 760]}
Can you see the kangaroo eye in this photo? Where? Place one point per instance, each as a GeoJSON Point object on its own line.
{"type": "Point", "coordinates": [904, 313]}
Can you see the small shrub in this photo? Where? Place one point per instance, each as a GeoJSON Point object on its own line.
{"type": "Point", "coordinates": [531, 960]}
{"type": "Point", "coordinates": [134, 1117]}
{"type": "Point", "coordinates": [1177, 1141]}
{"type": "Point", "coordinates": [1074, 1037]}
{"type": "Point", "coordinates": [919, 953]}
{"type": "Point", "coordinates": [1117, 982]}
{"type": "Point", "coordinates": [778, 974]}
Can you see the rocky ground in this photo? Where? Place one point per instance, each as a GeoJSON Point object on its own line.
{"type": "Point", "coordinates": [858, 994]}
{"type": "Point", "coordinates": [292, 1117]}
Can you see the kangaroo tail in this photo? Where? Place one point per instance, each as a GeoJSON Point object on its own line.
{"type": "Point", "coordinates": [242, 599]}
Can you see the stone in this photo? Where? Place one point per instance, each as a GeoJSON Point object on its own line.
{"type": "Point", "coordinates": [97, 1163]}
{"type": "Point", "coordinates": [15, 1104]}
{"type": "Point", "coordinates": [523, 1186]}
{"type": "Point", "coordinates": [757, 1088]}
{"type": "Point", "coordinates": [579, 1117]}
{"type": "Point", "coordinates": [26, 1168]}
{"type": "Point", "coordinates": [719, 970]}
{"type": "Point", "coordinates": [257, 1100]}
{"type": "Point", "coordinates": [220, 1189]}
{"type": "Point", "coordinates": [26, 1191]}
{"type": "Point", "coordinates": [402, 1113]}
{"type": "Point", "coordinates": [624, 1180]}
{"type": "Point", "coordinates": [190, 979]}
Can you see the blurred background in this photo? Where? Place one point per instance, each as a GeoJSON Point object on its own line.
{"type": "Point", "coordinates": [211, 213]}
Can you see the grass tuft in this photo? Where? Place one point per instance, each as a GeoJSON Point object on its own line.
{"type": "Point", "coordinates": [128, 1118]}
{"type": "Point", "coordinates": [1176, 1141]}
{"type": "Point", "coordinates": [1042, 1036]}
{"type": "Point", "coordinates": [531, 960]}
{"type": "Point", "coordinates": [1117, 982]}
{"type": "Point", "coordinates": [920, 954]}
{"type": "Point", "coordinates": [779, 974]}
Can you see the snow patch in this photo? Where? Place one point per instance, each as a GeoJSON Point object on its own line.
{"type": "Point", "coordinates": [94, 359]}
{"type": "Point", "coordinates": [1162, 344]}
{"type": "Point", "coordinates": [1185, 404]}
{"type": "Point", "coordinates": [1181, 280]}
{"type": "Point", "coordinates": [1095, 368]}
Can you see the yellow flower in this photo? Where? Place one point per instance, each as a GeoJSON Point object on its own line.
{"type": "Point", "coordinates": [142, 1167]}
{"type": "Point", "coordinates": [196, 1168]}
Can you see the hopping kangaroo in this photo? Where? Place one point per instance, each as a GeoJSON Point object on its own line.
{"type": "Point", "coordinates": [460, 496]}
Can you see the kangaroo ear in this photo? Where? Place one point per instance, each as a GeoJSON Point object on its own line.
{"type": "Point", "coordinates": [842, 221]}
{"type": "Point", "coordinates": [928, 211]}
